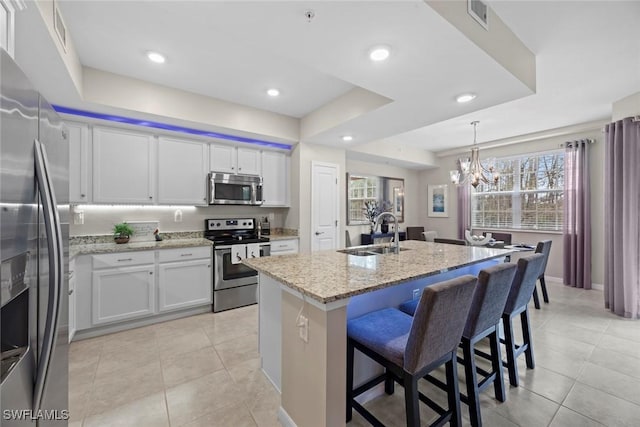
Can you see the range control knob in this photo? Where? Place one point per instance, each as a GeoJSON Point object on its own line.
{"type": "Point", "coordinates": [218, 224]}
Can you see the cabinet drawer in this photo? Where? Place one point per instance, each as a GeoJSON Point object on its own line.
{"type": "Point", "coordinates": [123, 259]}
{"type": "Point", "coordinates": [278, 247]}
{"type": "Point", "coordinates": [184, 254]}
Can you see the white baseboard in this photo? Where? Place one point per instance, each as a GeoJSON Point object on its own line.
{"type": "Point", "coordinates": [285, 419]}
{"type": "Point", "coordinates": [371, 394]}
{"type": "Point", "coordinates": [597, 286]}
{"type": "Point", "coordinates": [269, 378]}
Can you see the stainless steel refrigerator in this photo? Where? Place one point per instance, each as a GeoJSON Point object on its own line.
{"type": "Point", "coordinates": [34, 235]}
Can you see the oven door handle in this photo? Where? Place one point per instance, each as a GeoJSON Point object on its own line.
{"type": "Point", "coordinates": [222, 248]}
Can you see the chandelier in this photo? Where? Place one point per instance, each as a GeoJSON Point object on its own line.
{"type": "Point", "coordinates": [470, 170]}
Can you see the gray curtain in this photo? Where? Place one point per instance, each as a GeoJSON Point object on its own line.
{"type": "Point", "coordinates": [622, 213]}
{"type": "Point", "coordinates": [577, 215]}
{"type": "Point", "coordinates": [464, 209]}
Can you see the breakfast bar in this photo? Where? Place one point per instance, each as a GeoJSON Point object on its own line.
{"type": "Point", "coordinates": [306, 299]}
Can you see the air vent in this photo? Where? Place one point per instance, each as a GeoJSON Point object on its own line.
{"type": "Point", "coordinates": [478, 10]}
{"type": "Point", "coordinates": [58, 24]}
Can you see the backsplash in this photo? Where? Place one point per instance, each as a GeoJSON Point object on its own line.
{"type": "Point", "coordinates": [99, 220]}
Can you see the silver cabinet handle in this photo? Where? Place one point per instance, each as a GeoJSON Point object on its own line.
{"type": "Point", "coordinates": [70, 291]}
{"type": "Point", "coordinates": [319, 233]}
{"type": "Point", "coordinates": [186, 255]}
{"type": "Point", "coordinates": [82, 195]}
{"type": "Point", "coordinates": [125, 259]}
{"type": "Point", "coordinates": [150, 273]}
{"type": "Point", "coordinates": [238, 257]}
{"type": "Point", "coordinates": [56, 267]}
{"type": "Point", "coordinates": [151, 197]}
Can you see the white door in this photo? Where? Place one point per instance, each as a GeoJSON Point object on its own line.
{"type": "Point", "coordinates": [248, 161]}
{"type": "Point", "coordinates": [274, 178]}
{"type": "Point", "coordinates": [324, 206]}
{"type": "Point", "coordinates": [79, 163]}
{"type": "Point", "coordinates": [184, 284]}
{"type": "Point", "coordinates": [223, 158]}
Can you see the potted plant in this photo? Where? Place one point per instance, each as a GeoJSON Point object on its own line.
{"type": "Point", "coordinates": [122, 232]}
{"type": "Point", "coordinates": [371, 212]}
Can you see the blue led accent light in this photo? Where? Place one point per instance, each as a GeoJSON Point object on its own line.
{"type": "Point", "coordinates": [164, 126]}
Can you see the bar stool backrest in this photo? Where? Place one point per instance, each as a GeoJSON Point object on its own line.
{"type": "Point", "coordinates": [544, 247]}
{"type": "Point", "coordinates": [438, 322]}
{"type": "Point", "coordinates": [529, 268]}
{"type": "Point", "coordinates": [489, 298]}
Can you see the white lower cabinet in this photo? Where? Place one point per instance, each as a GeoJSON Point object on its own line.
{"type": "Point", "coordinates": [184, 284]}
{"type": "Point", "coordinates": [123, 293]}
{"type": "Point", "coordinates": [112, 289]}
{"type": "Point", "coordinates": [284, 247]}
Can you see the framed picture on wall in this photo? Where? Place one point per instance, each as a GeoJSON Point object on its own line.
{"type": "Point", "coordinates": [438, 203]}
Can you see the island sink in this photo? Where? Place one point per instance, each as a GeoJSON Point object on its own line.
{"type": "Point", "coordinates": [370, 251]}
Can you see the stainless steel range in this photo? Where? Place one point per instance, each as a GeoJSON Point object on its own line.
{"type": "Point", "coordinates": [235, 284]}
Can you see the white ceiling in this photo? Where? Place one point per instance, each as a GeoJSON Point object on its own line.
{"type": "Point", "coordinates": [588, 55]}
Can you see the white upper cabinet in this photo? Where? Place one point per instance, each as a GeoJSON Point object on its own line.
{"type": "Point", "coordinates": [223, 158]}
{"type": "Point", "coordinates": [79, 163]}
{"type": "Point", "coordinates": [248, 161]}
{"type": "Point", "coordinates": [275, 185]}
{"type": "Point", "coordinates": [229, 159]}
{"type": "Point", "coordinates": [123, 166]}
{"type": "Point", "coordinates": [182, 172]}
{"type": "Point", "coordinates": [7, 21]}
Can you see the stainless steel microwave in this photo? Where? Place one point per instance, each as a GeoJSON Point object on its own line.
{"type": "Point", "coordinates": [228, 189]}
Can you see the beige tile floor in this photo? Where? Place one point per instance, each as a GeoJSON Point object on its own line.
{"type": "Point", "coordinates": [204, 371]}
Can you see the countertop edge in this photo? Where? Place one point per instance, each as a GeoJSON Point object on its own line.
{"type": "Point", "coordinates": [345, 295]}
{"type": "Point", "coordinates": [105, 248]}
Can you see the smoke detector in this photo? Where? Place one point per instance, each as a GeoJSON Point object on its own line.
{"type": "Point", "coordinates": [309, 14]}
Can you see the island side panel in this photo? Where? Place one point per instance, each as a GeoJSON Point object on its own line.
{"type": "Point", "coordinates": [269, 329]}
{"type": "Point", "coordinates": [313, 374]}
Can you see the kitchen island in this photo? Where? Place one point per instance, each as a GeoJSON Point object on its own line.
{"type": "Point", "coordinates": [306, 299]}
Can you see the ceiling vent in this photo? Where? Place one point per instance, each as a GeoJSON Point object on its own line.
{"type": "Point", "coordinates": [58, 24]}
{"type": "Point", "coordinates": [478, 11]}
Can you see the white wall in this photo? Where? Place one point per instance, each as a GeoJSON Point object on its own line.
{"type": "Point", "coordinates": [626, 107]}
{"type": "Point", "coordinates": [411, 185]}
{"type": "Point", "coordinates": [99, 219]}
{"type": "Point", "coordinates": [299, 215]}
{"type": "Point", "coordinates": [447, 227]}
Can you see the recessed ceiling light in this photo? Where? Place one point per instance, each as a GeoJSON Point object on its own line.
{"type": "Point", "coordinates": [465, 97]}
{"type": "Point", "coordinates": [379, 53]}
{"type": "Point", "coordinates": [347, 138]}
{"type": "Point", "coordinates": [156, 57]}
{"type": "Point", "coordinates": [273, 92]}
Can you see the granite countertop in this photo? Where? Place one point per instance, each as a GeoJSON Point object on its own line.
{"type": "Point", "coordinates": [106, 248]}
{"type": "Point", "coordinates": [328, 276]}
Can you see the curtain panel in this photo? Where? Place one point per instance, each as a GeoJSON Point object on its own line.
{"type": "Point", "coordinates": [464, 209]}
{"type": "Point", "coordinates": [622, 215]}
{"type": "Point", "coordinates": [577, 215]}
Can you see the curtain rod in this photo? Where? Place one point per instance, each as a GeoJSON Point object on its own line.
{"type": "Point", "coordinates": [570, 143]}
{"type": "Point", "coordinates": [634, 119]}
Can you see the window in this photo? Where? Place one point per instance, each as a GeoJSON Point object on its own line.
{"type": "Point", "coordinates": [529, 194]}
{"type": "Point", "coordinates": [361, 189]}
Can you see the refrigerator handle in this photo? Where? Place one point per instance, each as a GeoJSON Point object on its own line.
{"type": "Point", "coordinates": [56, 266]}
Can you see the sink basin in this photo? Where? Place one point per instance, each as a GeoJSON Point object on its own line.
{"type": "Point", "coordinates": [370, 251]}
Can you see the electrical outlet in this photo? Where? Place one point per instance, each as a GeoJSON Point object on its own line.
{"type": "Point", "coordinates": [272, 216]}
{"type": "Point", "coordinates": [416, 293]}
{"type": "Point", "coordinates": [303, 327]}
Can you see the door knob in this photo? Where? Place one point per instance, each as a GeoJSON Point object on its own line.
{"type": "Point", "coordinates": [319, 233]}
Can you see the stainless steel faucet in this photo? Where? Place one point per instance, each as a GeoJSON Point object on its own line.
{"type": "Point", "coordinates": [396, 236]}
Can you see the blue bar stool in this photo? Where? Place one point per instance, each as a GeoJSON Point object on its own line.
{"type": "Point", "coordinates": [524, 282]}
{"type": "Point", "coordinates": [487, 306]}
{"type": "Point", "coordinates": [543, 247]}
{"type": "Point", "coordinates": [410, 347]}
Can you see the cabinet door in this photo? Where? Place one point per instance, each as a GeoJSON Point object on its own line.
{"type": "Point", "coordinates": [223, 158]}
{"type": "Point", "coordinates": [79, 163]}
{"type": "Point", "coordinates": [7, 27]}
{"type": "Point", "coordinates": [248, 161]}
{"type": "Point", "coordinates": [275, 179]}
{"type": "Point", "coordinates": [123, 166]}
{"type": "Point", "coordinates": [122, 293]}
{"type": "Point", "coordinates": [182, 172]}
{"type": "Point", "coordinates": [184, 284]}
